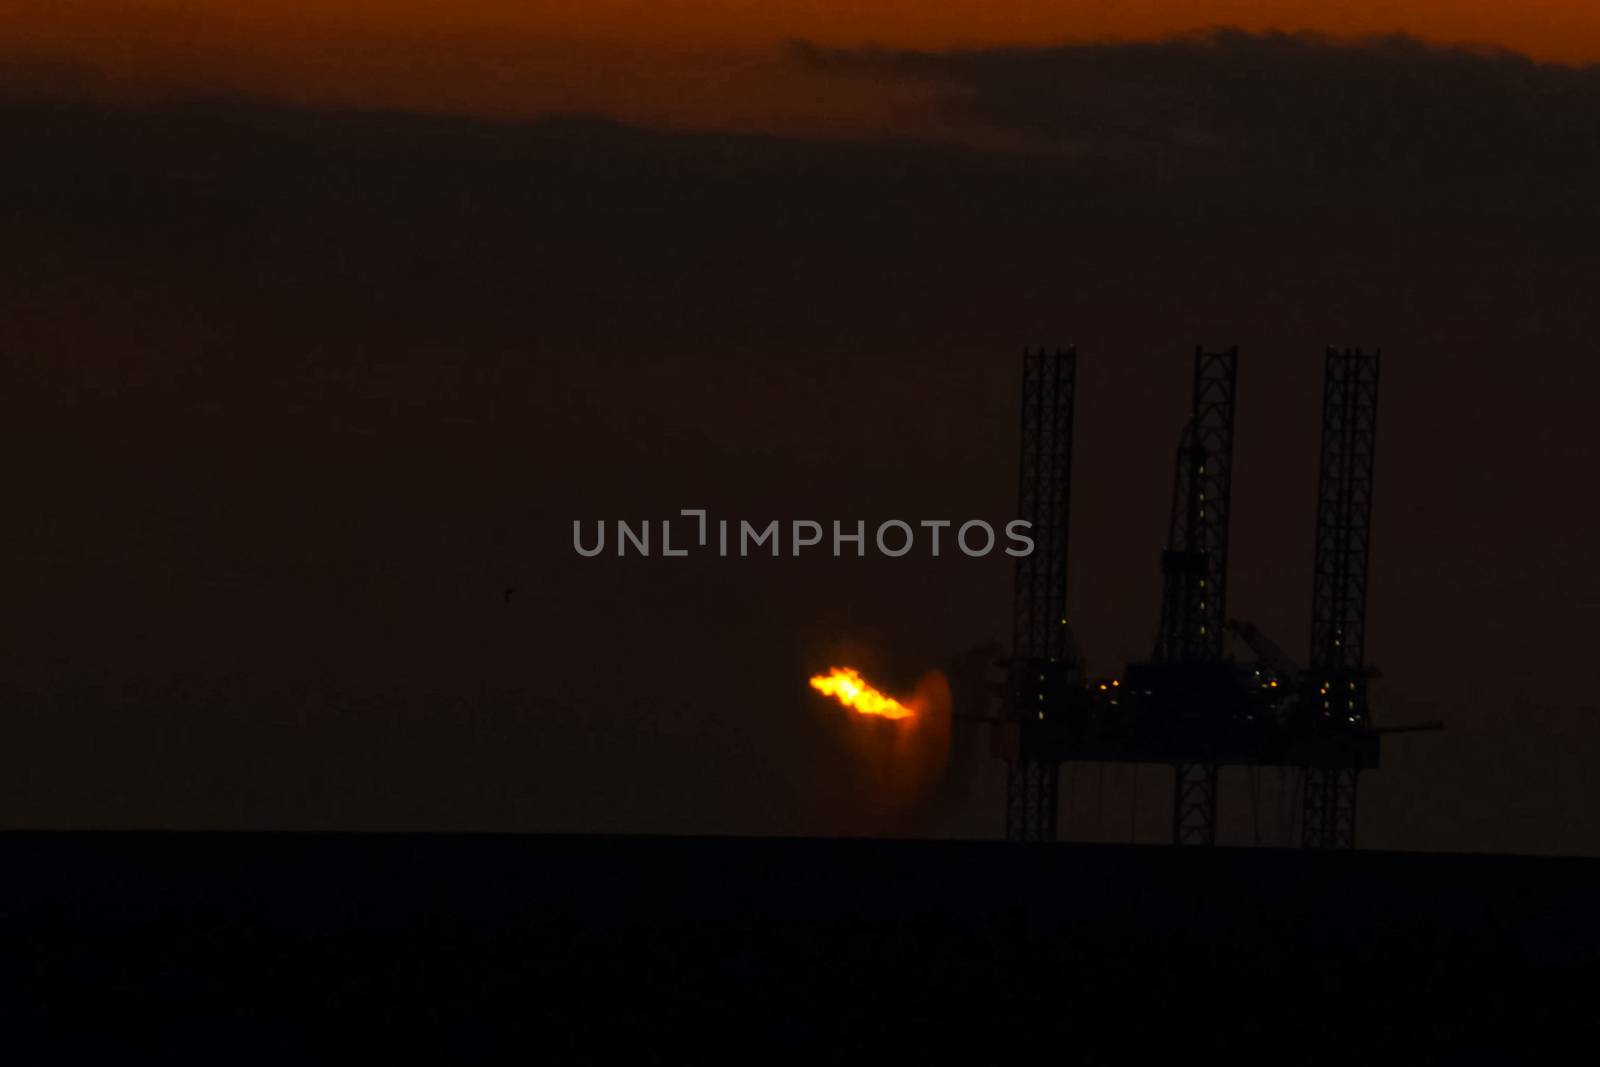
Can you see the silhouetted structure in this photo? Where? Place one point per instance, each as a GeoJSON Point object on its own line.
{"type": "Point", "coordinates": [1194, 570]}
{"type": "Point", "coordinates": [1041, 643]}
{"type": "Point", "coordinates": [1189, 706]}
{"type": "Point", "coordinates": [1337, 664]}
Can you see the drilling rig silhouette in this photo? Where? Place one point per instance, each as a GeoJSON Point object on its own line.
{"type": "Point", "coordinates": [1189, 706]}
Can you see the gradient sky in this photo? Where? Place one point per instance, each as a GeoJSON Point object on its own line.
{"type": "Point", "coordinates": [699, 63]}
{"type": "Point", "coordinates": [292, 393]}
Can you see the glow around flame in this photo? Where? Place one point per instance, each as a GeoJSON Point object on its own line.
{"type": "Point", "coordinates": [846, 685]}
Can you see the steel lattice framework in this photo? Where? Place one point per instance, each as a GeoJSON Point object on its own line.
{"type": "Point", "coordinates": [1335, 696]}
{"type": "Point", "coordinates": [1194, 804]}
{"type": "Point", "coordinates": [1195, 567]}
{"type": "Point", "coordinates": [1195, 564]}
{"type": "Point", "coordinates": [1189, 707]}
{"type": "Point", "coordinates": [1330, 807]}
{"type": "Point", "coordinates": [1215, 378]}
{"type": "Point", "coordinates": [1040, 637]}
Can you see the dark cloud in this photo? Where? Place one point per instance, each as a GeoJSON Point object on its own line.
{"type": "Point", "coordinates": [1299, 100]}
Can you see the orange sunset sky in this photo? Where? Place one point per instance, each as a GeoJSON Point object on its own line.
{"type": "Point", "coordinates": [694, 63]}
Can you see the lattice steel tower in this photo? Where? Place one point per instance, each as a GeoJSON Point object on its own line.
{"type": "Point", "coordinates": [1043, 667]}
{"type": "Point", "coordinates": [1335, 696]}
{"type": "Point", "coordinates": [1194, 568]}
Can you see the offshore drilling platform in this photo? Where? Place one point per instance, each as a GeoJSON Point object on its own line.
{"type": "Point", "coordinates": [1189, 706]}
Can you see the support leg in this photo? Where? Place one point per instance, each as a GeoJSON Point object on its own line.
{"type": "Point", "coordinates": [1194, 804]}
{"type": "Point", "coordinates": [1329, 812]}
{"type": "Point", "coordinates": [1032, 799]}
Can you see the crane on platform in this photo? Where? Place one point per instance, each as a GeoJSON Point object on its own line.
{"type": "Point", "coordinates": [1277, 665]}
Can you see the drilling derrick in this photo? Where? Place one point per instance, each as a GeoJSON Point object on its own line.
{"type": "Point", "coordinates": [1195, 564]}
{"type": "Point", "coordinates": [1183, 568]}
{"type": "Point", "coordinates": [1334, 702]}
{"type": "Point", "coordinates": [1043, 663]}
{"type": "Point", "coordinates": [1194, 570]}
{"type": "Point", "coordinates": [1189, 706]}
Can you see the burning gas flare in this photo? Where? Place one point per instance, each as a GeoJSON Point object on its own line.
{"type": "Point", "coordinates": [846, 685]}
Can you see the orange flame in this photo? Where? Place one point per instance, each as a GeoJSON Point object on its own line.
{"type": "Point", "coordinates": [846, 685]}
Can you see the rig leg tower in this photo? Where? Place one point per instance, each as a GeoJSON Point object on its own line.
{"type": "Point", "coordinates": [1044, 665]}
